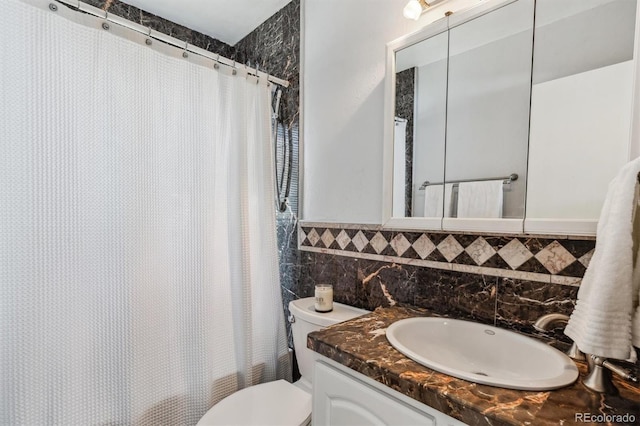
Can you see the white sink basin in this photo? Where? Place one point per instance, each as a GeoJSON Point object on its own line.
{"type": "Point", "coordinates": [482, 354]}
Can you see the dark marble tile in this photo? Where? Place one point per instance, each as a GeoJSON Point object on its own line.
{"type": "Point", "coordinates": [335, 246]}
{"type": "Point", "coordinates": [436, 256]}
{"type": "Point", "coordinates": [369, 234]}
{"type": "Point", "coordinates": [533, 265]}
{"type": "Point", "coordinates": [578, 248]}
{"type": "Point", "coordinates": [497, 242]}
{"type": "Point", "coordinates": [465, 240]}
{"type": "Point", "coordinates": [437, 237]}
{"type": "Point", "coordinates": [162, 25]}
{"type": "Point", "coordinates": [534, 245]}
{"type": "Point", "coordinates": [369, 249]}
{"type": "Point", "coordinates": [388, 235]}
{"type": "Point", "coordinates": [352, 232]}
{"type": "Point", "coordinates": [351, 247]}
{"type": "Point", "coordinates": [496, 261]}
{"type": "Point", "coordinates": [411, 254]}
{"type": "Point", "coordinates": [576, 269]}
{"type": "Point", "coordinates": [405, 96]}
{"type": "Point", "coordinates": [456, 294]}
{"type": "Point", "coordinates": [412, 237]}
{"type": "Point", "coordinates": [464, 259]}
{"type": "Point", "coordinates": [521, 303]}
{"type": "Point", "coordinates": [389, 251]}
{"type": "Point", "coordinates": [275, 48]}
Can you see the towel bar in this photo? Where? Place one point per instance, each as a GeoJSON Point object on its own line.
{"type": "Point", "coordinates": [507, 180]}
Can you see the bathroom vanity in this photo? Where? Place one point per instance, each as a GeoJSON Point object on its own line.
{"type": "Point", "coordinates": [360, 378]}
{"type": "Point", "coordinates": [342, 397]}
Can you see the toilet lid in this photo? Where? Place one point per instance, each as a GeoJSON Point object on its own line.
{"type": "Point", "coordinates": [276, 403]}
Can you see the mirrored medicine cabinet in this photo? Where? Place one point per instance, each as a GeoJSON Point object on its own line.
{"type": "Point", "coordinates": [511, 116]}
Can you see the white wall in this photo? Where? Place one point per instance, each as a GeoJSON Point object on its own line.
{"type": "Point", "coordinates": [343, 83]}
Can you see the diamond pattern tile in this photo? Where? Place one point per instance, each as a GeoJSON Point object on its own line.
{"type": "Point", "coordinates": [343, 239]}
{"type": "Point", "coordinates": [360, 241]}
{"type": "Point", "coordinates": [568, 258]}
{"type": "Point", "coordinates": [379, 242]}
{"type": "Point", "coordinates": [450, 248]}
{"type": "Point", "coordinates": [515, 253]}
{"type": "Point", "coordinates": [423, 246]}
{"type": "Point", "coordinates": [555, 258]}
{"type": "Point", "coordinates": [480, 251]}
{"type": "Point", "coordinates": [586, 259]}
{"type": "Point", "coordinates": [301, 236]}
{"type": "Point", "coordinates": [327, 238]}
{"type": "Point", "coordinates": [400, 244]}
{"type": "Point", "coordinates": [313, 237]}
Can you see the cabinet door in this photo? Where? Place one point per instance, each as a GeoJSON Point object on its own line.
{"type": "Point", "coordinates": [580, 111]}
{"type": "Point", "coordinates": [342, 400]}
{"type": "Point", "coordinates": [488, 117]}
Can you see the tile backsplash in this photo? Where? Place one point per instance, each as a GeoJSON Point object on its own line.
{"type": "Point", "coordinates": [505, 280]}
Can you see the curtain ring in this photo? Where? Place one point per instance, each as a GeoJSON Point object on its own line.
{"type": "Point", "coordinates": [257, 76]}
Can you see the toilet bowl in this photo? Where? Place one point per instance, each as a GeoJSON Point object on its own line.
{"type": "Point", "coordinates": [280, 403]}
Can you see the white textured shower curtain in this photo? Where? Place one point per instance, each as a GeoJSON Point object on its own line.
{"type": "Point", "coordinates": [138, 263]}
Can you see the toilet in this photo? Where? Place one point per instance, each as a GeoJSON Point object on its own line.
{"type": "Point", "coordinates": [280, 403]}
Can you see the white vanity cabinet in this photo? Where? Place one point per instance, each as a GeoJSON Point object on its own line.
{"type": "Point", "coordinates": [344, 397]}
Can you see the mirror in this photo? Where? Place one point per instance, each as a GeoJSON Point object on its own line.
{"type": "Point", "coordinates": [488, 113]}
{"type": "Point", "coordinates": [580, 110]}
{"type": "Point", "coordinates": [475, 99]}
{"type": "Point", "coordinates": [464, 91]}
{"type": "Point", "coordinates": [420, 126]}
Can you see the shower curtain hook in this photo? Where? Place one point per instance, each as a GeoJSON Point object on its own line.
{"type": "Point", "coordinates": [235, 71]}
{"type": "Point", "coordinates": [257, 76]}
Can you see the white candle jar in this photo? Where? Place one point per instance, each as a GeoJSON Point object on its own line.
{"type": "Point", "coordinates": [324, 298]}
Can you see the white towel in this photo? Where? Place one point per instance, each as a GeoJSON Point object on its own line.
{"type": "Point", "coordinates": [480, 199]}
{"type": "Point", "coordinates": [601, 323]}
{"type": "Point", "coordinates": [433, 196]}
{"type": "Point", "coordinates": [433, 203]}
{"type": "Point", "coordinates": [448, 199]}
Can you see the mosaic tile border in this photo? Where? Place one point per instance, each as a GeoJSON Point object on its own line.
{"type": "Point", "coordinates": [549, 259]}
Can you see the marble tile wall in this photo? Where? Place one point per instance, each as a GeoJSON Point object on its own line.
{"type": "Point", "coordinates": [508, 281]}
{"type": "Point", "coordinates": [162, 25]}
{"type": "Point", "coordinates": [405, 93]}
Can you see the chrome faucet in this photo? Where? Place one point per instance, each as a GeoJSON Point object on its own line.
{"type": "Point", "coordinates": [599, 378]}
{"type": "Point", "coordinates": [548, 322]}
{"type": "Point", "coordinates": [600, 369]}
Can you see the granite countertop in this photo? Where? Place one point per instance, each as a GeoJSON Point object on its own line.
{"type": "Point", "coordinates": [361, 345]}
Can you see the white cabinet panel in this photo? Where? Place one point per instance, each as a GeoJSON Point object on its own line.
{"type": "Point", "coordinates": [341, 399]}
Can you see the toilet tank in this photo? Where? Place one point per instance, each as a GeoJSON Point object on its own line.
{"type": "Point", "coordinates": [305, 319]}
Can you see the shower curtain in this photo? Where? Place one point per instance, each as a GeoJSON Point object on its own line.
{"type": "Point", "coordinates": [138, 264]}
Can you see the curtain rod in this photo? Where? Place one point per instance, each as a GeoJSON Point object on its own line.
{"type": "Point", "coordinates": [183, 45]}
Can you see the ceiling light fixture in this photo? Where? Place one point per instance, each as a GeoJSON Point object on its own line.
{"type": "Point", "coordinates": [415, 8]}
